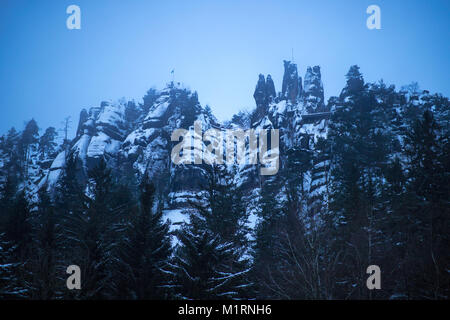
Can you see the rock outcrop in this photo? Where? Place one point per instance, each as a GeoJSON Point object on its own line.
{"type": "Point", "coordinates": [290, 87]}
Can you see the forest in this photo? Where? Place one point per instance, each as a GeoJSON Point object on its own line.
{"type": "Point", "coordinates": [386, 173]}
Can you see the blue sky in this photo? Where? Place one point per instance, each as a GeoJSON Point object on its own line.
{"type": "Point", "coordinates": [217, 47]}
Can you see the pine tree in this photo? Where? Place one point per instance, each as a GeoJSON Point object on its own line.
{"type": "Point", "coordinates": [202, 266]}
{"type": "Point", "coordinates": [210, 261]}
{"type": "Point", "coordinates": [70, 203]}
{"type": "Point", "coordinates": [47, 264]}
{"type": "Point", "coordinates": [12, 151]}
{"type": "Point", "coordinates": [7, 195]}
{"type": "Point", "coordinates": [144, 252]}
{"type": "Point", "coordinates": [292, 259]}
{"type": "Point", "coordinates": [299, 161]}
{"type": "Point", "coordinates": [267, 241]}
{"type": "Point", "coordinates": [427, 218]}
{"type": "Point", "coordinates": [223, 213]}
{"type": "Point", "coordinates": [47, 143]}
{"type": "Point", "coordinates": [132, 112]}
{"type": "Point", "coordinates": [65, 129]}
{"type": "Point", "coordinates": [28, 141]}
{"type": "Point", "coordinates": [10, 287]}
{"type": "Point", "coordinates": [360, 150]}
{"type": "Point", "coordinates": [149, 98]}
{"type": "Point", "coordinates": [355, 82]}
{"type": "Point", "coordinates": [89, 233]}
{"type": "Point", "coordinates": [17, 239]}
{"type": "Point", "coordinates": [69, 196]}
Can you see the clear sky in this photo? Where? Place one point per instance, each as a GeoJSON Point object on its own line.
{"type": "Point", "coordinates": [217, 47]}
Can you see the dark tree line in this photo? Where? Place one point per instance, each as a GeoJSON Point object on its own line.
{"type": "Point", "coordinates": [121, 242]}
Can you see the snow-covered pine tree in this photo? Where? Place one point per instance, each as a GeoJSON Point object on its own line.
{"type": "Point", "coordinates": [360, 140]}
{"type": "Point", "coordinates": [427, 148]}
{"type": "Point", "coordinates": [142, 262]}
{"type": "Point", "coordinates": [48, 268]}
{"type": "Point", "coordinates": [88, 231]}
{"type": "Point", "coordinates": [28, 143]}
{"type": "Point", "coordinates": [47, 144]}
{"type": "Point", "coordinates": [210, 262]}
{"type": "Point", "coordinates": [10, 287]}
{"type": "Point", "coordinates": [11, 152]}
{"type": "Point", "coordinates": [17, 239]}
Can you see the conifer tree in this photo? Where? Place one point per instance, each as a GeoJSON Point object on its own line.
{"type": "Point", "coordinates": [47, 265]}
{"type": "Point", "coordinates": [10, 287]}
{"type": "Point", "coordinates": [89, 234]}
{"type": "Point", "coordinates": [17, 244]}
{"type": "Point", "coordinates": [210, 262]}
{"type": "Point", "coordinates": [47, 143]}
{"type": "Point", "coordinates": [360, 150]}
{"type": "Point", "coordinates": [427, 217]}
{"type": "Point", "coordinates": [144, 252]}
{"type": "Point", "coordinates": [29, 138]}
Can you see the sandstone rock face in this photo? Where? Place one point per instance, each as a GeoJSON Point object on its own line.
{"type": "Point", "coordinates": [135, 138]}
{"type": "Point", "coordinates": [290, 87]}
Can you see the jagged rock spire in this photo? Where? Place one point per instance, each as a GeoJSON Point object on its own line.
{"type": "Point", "coordinates": [290, 87]}
{"type": "Point", "coordinates": [313, 90]}
{"type": "Point", "coordinates": [270, 89]}
{"type": "Point", "coordinates": [83, 118]}
{"type": "Point", "coordinates": [300, 88]}
{"type": "Point", "coordinates": [264, 91]}
{"type": "Point", "coordinates": [260, 91]}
